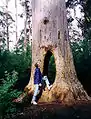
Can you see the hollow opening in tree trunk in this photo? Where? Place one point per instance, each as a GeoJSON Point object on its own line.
{"type": "Point", "coordinates": [49, 68]}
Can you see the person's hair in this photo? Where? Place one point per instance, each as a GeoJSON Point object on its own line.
{"type": "Point", "coordinates": [36, 65]}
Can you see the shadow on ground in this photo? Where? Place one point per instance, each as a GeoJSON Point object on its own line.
{"type": "Point", "coordinates": [55, 111]}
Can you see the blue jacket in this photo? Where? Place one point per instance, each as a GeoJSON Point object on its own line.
{"type": "Point", "coordinates": [37, 76]}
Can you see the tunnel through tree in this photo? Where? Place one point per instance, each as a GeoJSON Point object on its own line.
{"type": "Point", "coordinates": [49, 68]}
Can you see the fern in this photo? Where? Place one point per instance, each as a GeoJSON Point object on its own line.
{"type": "Point", "coordinates": [7, 94]}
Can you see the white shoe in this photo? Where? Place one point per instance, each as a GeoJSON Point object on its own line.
{"type": "Point", "coordinates": [33, 102]}
{"type": "Point", "coordinates": [49, 87]}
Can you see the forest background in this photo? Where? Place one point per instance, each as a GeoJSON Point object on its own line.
{"type": "Point", "coordinates": [15, 60]}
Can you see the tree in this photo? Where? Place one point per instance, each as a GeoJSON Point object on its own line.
{"type": "Point", "coordinates": [87, 17]}
{"type": "Point", "coordinates": [16, 20]}
{"type": "Point", "coordinates": [50, 36]}
{"type": "Point", "coordinates": [7, 25]}
{"type": "Point", "coordinates": [27, 31]}
{"type": "Point", "coordinates": [6, 21]}
{"type": "Point", "coordinates": [84, 23]}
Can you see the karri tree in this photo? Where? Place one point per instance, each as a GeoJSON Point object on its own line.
{"type": "Point", "coordinates": [50, 37]}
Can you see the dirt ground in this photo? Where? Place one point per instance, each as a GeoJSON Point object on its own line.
{"type": "Point", "coordinates": [55, 111]}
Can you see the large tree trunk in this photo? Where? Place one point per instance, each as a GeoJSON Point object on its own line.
{"type": "Point", "coordinates": [50, 33]}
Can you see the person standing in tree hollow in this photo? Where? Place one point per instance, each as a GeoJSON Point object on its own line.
{"type": "Point", "coordinates": [37, 83]}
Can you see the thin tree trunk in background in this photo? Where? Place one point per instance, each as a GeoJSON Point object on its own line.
{"type": "Point", "coordinates": [7, 25]}
{"type": "Point", "coordinates": [16, 21]}
{"type": "Point", "coordinates": [27, 22]}
{"type": "Point", "coordinates": [25, 29]}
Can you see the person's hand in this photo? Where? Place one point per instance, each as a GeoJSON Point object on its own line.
{"type": "Point", "coordinates": [40, 84]}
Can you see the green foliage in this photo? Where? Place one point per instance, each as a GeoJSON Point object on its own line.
{"type": "Point", "coordinates": [18, 61]}
{"type": "Point", "coordinates": [82, 59]}
{"type": "Point", "coordinates": [87, 16]}
{"type": "Point", "coordinates": [7, 93]}
{"type": "Point", "coordinates": [52, 69]}
{"type": "Point", "coordinates": [82, 49]}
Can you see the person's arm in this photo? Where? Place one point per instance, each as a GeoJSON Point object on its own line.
{"type": "Point", "coordinates": [37, 74]}
{"type": "Point", "coordinates": [40, 76]}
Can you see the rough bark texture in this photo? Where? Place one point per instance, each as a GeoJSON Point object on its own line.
{"type": "Point", "coordinates": [50, 33]}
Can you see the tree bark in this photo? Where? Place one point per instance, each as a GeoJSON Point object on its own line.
{"type": "Point", "coordinates": [50, 33]}
{"type": "Point", "coordinates": [16, 21]}
{"type": "Point", "coordinates": [7, 25]}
